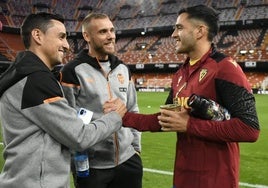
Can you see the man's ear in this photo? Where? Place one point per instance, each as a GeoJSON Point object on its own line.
{"type": "Point", "coordinates": [37, 35]}
{"type": "Point", "coordinates": [202, 30]}
{"type": "Point", "coordinates": [86, 36]}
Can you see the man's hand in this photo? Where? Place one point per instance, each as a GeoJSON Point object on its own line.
{"type": "Point", "coordinates": [116, 105]}
{"type": "Point", "coordinates": [173, 121]}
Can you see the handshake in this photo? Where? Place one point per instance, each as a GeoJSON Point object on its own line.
{"type": "Point", "coordinates": [171, 117]}
{"type": "Point", "coordinates": [116, 105]}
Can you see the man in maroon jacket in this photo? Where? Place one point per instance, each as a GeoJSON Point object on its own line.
{"type": "Point", "coordinates": [207, 152]}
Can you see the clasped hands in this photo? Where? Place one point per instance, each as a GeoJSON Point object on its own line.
{"type": "Point", "coordinates": [169, 120]}
{"type": "Point", "coordinates": [116, 105]}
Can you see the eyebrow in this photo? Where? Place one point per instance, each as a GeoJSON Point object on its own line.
{"type": "Point", "coordinates": [107, 29]}
{"type": "Point", "coordinates": [62, 34]}
{"type": "Point", "coordinates": [178, 25]}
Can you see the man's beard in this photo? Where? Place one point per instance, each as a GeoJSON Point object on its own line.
{"type": "Point", "coordinates": [102, 50]}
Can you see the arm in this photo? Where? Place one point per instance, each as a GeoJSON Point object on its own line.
{"type": "Point", "coordinates": [142, 122]}
{"type": "Point", "coordinates": [62, 123]}
{"type": "Point", "coordinates": [49, 111]}
{"type": "Point", "coordinates": [243, 125]}
{"type": "Point", "coordinates": [234, 93]}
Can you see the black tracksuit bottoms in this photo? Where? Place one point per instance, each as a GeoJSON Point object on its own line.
{"type": "Point", "coordinates": [126, 175]}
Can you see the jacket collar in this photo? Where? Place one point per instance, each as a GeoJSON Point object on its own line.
{"type": "Point", "coordinates": [84, 57]}
{"type": "Point", "coordinates": [209, 53]}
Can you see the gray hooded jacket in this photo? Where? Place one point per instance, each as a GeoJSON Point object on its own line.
{"type": "Point", "coordinates": [40, 128]}
{"type": "Point", "coordinates": [86, 84]}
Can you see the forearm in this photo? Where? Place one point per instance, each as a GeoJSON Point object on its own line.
{"type": "Point", "coordinates": [142, 122]}
{"type": "Point", "coordinates": [233, 130]}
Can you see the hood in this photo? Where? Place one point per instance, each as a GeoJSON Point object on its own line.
{"type": "Point", "coordinates": [25, 63]}
{"type": "Point", "coordinates": [84, 57]}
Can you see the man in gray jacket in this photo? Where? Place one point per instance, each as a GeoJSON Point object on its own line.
{"type": "Point", "coordinates": [93, 77]}
{"type": "Point", "coordinates": [39, 127]}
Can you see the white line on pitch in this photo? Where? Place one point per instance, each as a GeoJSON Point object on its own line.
{"type": "Point", "coordinates": [252, 185]}
{"type": "Point", "coordinates": [157, 171]}
{"type": "Point", "coordinates": [171, 173]}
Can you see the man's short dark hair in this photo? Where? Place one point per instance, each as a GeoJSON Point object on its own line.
{"type": "Point", "coordinates": [206, 14]}
{"type": "Point", "coordinates": [41, 21]}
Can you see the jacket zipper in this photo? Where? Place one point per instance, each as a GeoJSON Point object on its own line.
{"type": "Point", "coordinates": [116, 159]}
{"type": "Point", "coordinates": [116, 155]}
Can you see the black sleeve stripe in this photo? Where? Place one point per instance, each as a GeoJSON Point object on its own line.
{"type": "Point", "coordinates": [238, 101]}
{"type": "Point", "coordinates": [39, 87]}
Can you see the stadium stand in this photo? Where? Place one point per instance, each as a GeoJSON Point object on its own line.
{"type": "Point", "coordinates": [10, 44]}
{"type": "Point", "coordinates": [143, 32]}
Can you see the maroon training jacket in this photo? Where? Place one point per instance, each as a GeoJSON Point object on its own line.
{"type": "Point", "coordinates": [207, 155]}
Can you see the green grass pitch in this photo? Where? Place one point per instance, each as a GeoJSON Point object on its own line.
{"type": "Point", "coordinates": [158, 149]}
